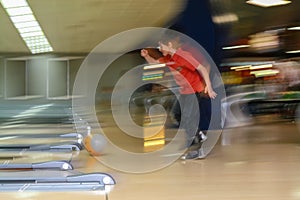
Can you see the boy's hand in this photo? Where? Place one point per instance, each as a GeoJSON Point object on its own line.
{"type": "Point", "coordinates": [211, 93]}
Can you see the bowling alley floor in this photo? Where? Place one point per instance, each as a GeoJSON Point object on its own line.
{"type": "Point", "coordinates": [253, 162]}
{"type": "Point", "coordinates": [258, 161]}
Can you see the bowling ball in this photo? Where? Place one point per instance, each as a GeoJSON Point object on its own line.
{"type": "Point", "coordinates": [95, 144]}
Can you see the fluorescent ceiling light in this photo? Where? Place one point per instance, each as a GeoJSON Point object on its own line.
{"type": "Point", "coordinates": [261, 66]}
{"type": "Point", "coordinates": [22, 18]}
{"type": "Point", "coordinates": [27, 24]}
{"type": "Point", "coordinates": [296, 28]}
{"type": "Point", "coordinates": [241, 68]}
{"type": "Point", "coordinates": [13, 3]}
{"type": "Point", "coordinates": [262, 73]}
{"type": "Point", "coordinates": [235, 47]}
{"type": "Point", "coordinates": [32, 34]}
{"type": "Point", "coordinates": [18, 11]}
{"type": "Point", "coordinates": [251, 67]}
{"type": "Point", "coordinates": [225, 18]}
{"type": "Point", "coordinates": [28, 27]}
{"type": "Point", "coordinates": [296, 51]}
{"type": "Point", "coordinates": [268, 3]}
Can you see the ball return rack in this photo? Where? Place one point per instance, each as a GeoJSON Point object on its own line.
{"type": "Point", "coordinates": [42, 180]}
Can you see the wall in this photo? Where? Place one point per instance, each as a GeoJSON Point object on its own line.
{"type": "Point", "coordinates": [30, 82]}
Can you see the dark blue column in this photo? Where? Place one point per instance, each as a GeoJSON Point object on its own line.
{"type": "Point", "coordinates": [196, 22]}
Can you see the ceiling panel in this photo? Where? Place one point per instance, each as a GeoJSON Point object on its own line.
{"type": "Point", "coordinates": [76, 26]}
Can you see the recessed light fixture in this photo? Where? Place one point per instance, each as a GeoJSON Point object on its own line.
{"type": "Point", "coordinates": [268, 3]}
{"type": "Point", "coordinates": [28, 27]}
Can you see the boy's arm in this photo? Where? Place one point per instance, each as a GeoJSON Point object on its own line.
{"type": "Point", "coordinates": [204, 72]}
{"type": "Point", "coordinates": [148, 58]}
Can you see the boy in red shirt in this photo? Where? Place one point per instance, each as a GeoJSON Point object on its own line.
{"type": "Point", "coordinates": [192, 77]}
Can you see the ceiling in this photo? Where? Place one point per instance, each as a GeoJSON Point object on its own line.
{"type": "Point", "coordinates": [77, 26]}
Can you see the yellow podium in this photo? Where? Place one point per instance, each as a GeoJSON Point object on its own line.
{"type": "Point", "coordinates": [154, 132]}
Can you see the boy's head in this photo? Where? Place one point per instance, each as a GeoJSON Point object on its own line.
{"type": "Point", "coordinates": [169, 43]}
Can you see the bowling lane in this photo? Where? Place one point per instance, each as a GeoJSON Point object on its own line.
{"type": "Point", "coordinates": [254, 162]}
{"type": "Point", "coordinates": [260, 162]}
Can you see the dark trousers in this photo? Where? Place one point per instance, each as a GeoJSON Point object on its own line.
{"type": "Point", "coordinates": [204, 103]}
{"type": "Point", "coordinates": [205, 111]}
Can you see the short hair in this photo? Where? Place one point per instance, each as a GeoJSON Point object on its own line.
{"type": "Point", "coordinates": [173, 37]}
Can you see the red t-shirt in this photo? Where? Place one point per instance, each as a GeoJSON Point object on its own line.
{"type": "Point", "coordinates": [183, 67]}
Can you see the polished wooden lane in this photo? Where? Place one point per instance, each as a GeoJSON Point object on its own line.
{"type": "Point", "coordinates": [261, 161]}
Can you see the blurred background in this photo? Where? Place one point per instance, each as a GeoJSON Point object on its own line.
{"type": "Point", "coordinates": [254, 45]}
